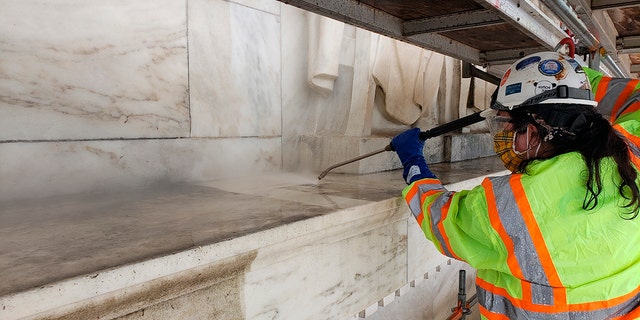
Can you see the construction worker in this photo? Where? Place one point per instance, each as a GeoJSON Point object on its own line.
{"type": "Point", "coordinates": [559, 237]}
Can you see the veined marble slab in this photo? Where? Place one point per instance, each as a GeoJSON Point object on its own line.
{"type": "Point", "coordinates": [267, 6]}
{"type": "Point", "coordinates": [234, 70]}
{"type": "Point", "coordinates": [41, 169]}
{"type": "Point", "coordinates": [75, 69]}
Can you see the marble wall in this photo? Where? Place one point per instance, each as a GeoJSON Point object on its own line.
{"type": "Point", "coordinates": [99, 70]}
{"type": "Point", "coordinates": [101, 95]}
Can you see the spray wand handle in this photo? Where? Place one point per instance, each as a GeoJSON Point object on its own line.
{"type": "Point", "coordinates": [447, 127]}
{"type": "Point", "coordinates": [424, 135]}
{"type": "Point", "coordinates": [453, 125]}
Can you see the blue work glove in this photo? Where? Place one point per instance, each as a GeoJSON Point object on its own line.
{"type": "Point", "coordinates": [409, 147]}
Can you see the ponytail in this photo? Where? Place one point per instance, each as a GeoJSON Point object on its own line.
{"type": "Point", "coordinates": [601, 141]}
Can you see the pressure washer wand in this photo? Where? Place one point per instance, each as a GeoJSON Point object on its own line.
{"type": "Point", "coordinates": [424, 135]}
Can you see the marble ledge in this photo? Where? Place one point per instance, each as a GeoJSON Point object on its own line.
{"type": "Point", "coordinates": [116, 228]}
{"type": "Point", "coordinates": [79, 248]}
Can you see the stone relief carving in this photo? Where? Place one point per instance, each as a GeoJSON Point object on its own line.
{"type": "Point", "coordinates": [408, 76]}
{"type": "Point", "coordinates": [364, 88]}
{"type": "Point", "coordinates": [324, 52]}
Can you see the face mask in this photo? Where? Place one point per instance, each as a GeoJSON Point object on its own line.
{"type": "Point", "coordinates": [503, 146]}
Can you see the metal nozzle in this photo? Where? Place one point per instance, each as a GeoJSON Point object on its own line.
{"type": "Point", "coordinates": [324, 173]}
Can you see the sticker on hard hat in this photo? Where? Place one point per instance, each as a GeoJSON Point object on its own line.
{"type": "Point", "coordinates": [513, 88]}
{"type": "Point", "coordinates": [527, 62]}
{"type": "Point", "coordinates": [544, 86]}
{"type": "Point", "coordinates": [576, 66]}
{"type": "Point", "coordinates": [505, 77]}
{"type": "Point", "coordinates": [550, 67]}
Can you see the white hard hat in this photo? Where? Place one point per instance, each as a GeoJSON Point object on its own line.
{"type": "Point", "coordinates": [543, 78]}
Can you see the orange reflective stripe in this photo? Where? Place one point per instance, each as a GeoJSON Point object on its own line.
{"type": "Point", "coordinates": [430, 193]}
{"type": "Point", "coordinates": [587, 306]}
{"type": "Point", "coordinates": [419, 219]}
{"type": "Point", "coordinates": [416, 197]}
{"type": "Point", "coordinates": [490, 315]}
{"type": "Point", "coordinates": [445, 212]}
{"type": "Point", "coordinates": [497, 290]}
{"type": "Point", "coordinates": [412, 192]}
{"type": "Point", "coordinates": [559, 293]}
{"type": "Point", "coordinates": [427, 181]}
{"type": "Point", "coordinates": [518, 303]}
{"type": "Point", "coordinates": [414, 189]}
{"type": "Point", "coordinates": [631, 108]}
{"type": "Point", "coordinates": [622, 98]}
{"type": "Point", "coordinates": [494, 218]}
{"type": "Point", "coordinates": [602, 88]}
{"type": "Point", "coordinates": [633, 139]}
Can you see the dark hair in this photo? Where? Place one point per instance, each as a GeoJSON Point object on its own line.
{"type": "Point", "coordinates": [581, 128]}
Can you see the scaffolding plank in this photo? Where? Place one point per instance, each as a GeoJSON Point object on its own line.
{"type": "Point", "coordinates": [452, 22]}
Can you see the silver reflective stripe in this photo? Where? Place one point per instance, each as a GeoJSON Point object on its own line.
{"type": "Point", "coordinates": [524, 249]}
{"type": "Point", "coordinates": [614, 89]}
{"type": "Point", "coordinates": [498, 304]}
{"type": "Point", "coordinates": [635, 97]}
{"type": "Point", "coordinates": [634, 148]}
{"type": "Point", "coordinates": [414, 203]}
{"type": "Point", "coordinates": [435, 212]}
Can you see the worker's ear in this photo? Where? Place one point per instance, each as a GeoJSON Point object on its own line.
{"type": "Point", "coordinates": [528, 139]}
{"type": "Point", "coordinates": [534, 135]}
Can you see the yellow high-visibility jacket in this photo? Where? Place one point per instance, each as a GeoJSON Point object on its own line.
{"type": "Point", "coordinates": [538, 253]}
